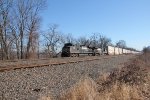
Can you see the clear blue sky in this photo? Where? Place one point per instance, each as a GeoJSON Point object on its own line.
{"type": "Point", "coordinates": [127, 20]}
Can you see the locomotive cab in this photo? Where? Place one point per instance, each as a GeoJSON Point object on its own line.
{"type": "Point", "coordinates": [66, 50]}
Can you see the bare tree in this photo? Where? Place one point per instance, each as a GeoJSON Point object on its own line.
{"type": "Point", "coordinates": [83, 41]}
{"type": "Point", "coordinates": [121, 44]}
{"type": "Point", "coordinates": [146, 50]}
{"type": "Point", "coordinates": [22, 10]}
{"type": "Point", "coordinates": [27, 19]}
{"type": "Point", "coordinates": [94, 40]}
{"type": "Point", "coordinates": [69, 39]}
{"type": "Point", "coordinates": [33, 27]}
{"type": "Point", "coordinates": [16, 41]}
{"type": "Point", "coordinates": [103, 42]}
{"type": "Point", "coordinates": [53, 40]}
{"type": "Point", "coordinates": [19, 27]}
{"type": "Point", "coordinates": [98, 40]}
{"type": "Point", "coordinates": [5, 37]}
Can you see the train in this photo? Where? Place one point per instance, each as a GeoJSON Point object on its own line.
{"type": "Point", "coordinates": [70, 50]}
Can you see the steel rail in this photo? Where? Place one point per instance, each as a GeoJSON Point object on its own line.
{"type": "Point", "coordinates": [2, 69]}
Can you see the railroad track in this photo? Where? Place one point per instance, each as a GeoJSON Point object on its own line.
{"type": "Point", "coordinates": [14, 67]}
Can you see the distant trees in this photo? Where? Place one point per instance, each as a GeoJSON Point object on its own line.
{"type": "Point", "coordinates": [69, 38]}
{"type": "Point", "coordinates": [99, 40]}
{"type": "Point", "coordinates": [95, 40]}
{"type": "Point", "coordinates": [104, 41]}
{"type": "Point", "coordinates": [121, 44]}
{"type": "Point", "coordinates": [146, 49]}
{"type": "Point", "coordinates": [83, 41]}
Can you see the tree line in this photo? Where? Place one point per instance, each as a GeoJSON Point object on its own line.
{"type": "Point", "coordinates": [19, 27]}
{"type": "Point", "coordinates": [21, 38]}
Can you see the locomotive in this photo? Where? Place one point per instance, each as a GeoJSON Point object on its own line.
{"type": "Point", "coordinates": [70, 50]}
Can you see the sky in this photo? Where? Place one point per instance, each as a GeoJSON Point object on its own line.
{"type": "Point", "coordinates": [127, 20]}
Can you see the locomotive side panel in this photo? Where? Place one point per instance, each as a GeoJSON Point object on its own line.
{"type": "Point", "coordinates": [74, 49]}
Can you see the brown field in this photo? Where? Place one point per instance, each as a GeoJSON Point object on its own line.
{"type": "Point", "coordinates": [123, 77]}
{"type": "Point", "coordinates": [132, 82]}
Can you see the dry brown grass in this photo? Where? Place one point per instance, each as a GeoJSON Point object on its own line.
{"type": "Point", "coordinates": [132, 82]}
{"type": "Point", "coordinates": [86, 89]}
{"type": "Point", "coordinates": [120, 92]}
{"type": "Point", "coordinates": [45, 98]}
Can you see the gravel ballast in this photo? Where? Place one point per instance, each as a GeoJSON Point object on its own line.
{"type": "Point", "coordinates": [30, 84]}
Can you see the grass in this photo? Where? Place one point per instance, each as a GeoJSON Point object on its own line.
{"type": "Point", "coordinates": [119, 91]}
{"type": "Point", "coordinates": [86, 89]}
{"type": "Point", "coordinates": [132, 82]}
{"type": "Point", "coordinates": [45, 98]}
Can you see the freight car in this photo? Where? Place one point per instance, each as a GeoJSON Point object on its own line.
{"type": "Point", "coordinates": [112, 50]}
{"type": "Point", "coordinates": [70, 50]}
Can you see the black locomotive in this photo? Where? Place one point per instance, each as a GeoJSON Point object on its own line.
{"type": "Point", "coordinates": [70, 50]}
